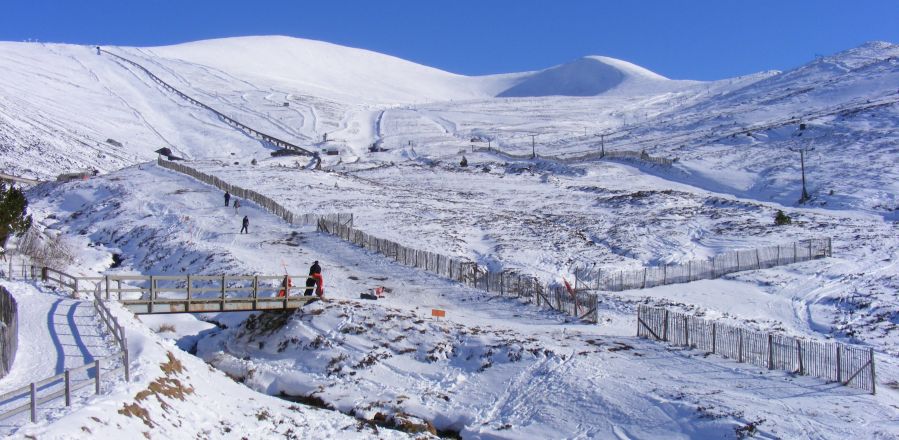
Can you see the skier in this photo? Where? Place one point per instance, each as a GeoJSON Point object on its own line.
{"type": "Point", "coordinates": [246, 225]}
{"type": "Point", "coordinates": [227, 197]}
{"type": "Point", "coordinates": [315, 280]}
{"type": "Point", "coordinates": [237, 206]}
{"type": "Point", "coordinates": [98, 50]}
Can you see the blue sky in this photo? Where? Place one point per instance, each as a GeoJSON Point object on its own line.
{"type": "Point", "coordinates": [679, 39]}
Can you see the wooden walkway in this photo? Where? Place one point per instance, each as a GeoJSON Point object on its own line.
{"type": "Point", "coordinates": [159, 294]}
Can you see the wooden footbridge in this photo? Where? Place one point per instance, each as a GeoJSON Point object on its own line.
{"type": "Point", "coordinates": [158, 294]}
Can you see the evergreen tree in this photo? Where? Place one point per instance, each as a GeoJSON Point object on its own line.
{"type": "Point", "coordinates": [782, 219]}
{"type": "Point", "coordinates": [13, 208]}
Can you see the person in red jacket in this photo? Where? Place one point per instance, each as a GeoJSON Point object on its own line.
{"type": "Point", "coordinates": [315, 280]}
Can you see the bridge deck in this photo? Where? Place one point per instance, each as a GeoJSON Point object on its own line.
{"type": "Point", "coordinates": [214, 305]}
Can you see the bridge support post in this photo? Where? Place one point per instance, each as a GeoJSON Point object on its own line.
{"type": "Point", "coordinates": [152, 293]}
{"type": "Point", "coordinates": [222, 304]}
{"type": "Point", "coordinates": [256, 291]}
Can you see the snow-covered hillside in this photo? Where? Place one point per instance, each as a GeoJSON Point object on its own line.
{"type": "Point", "coordinates": [495, 368]}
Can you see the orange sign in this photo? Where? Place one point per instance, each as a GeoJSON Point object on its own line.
{"type": "Point", "coordinates": [438, 313]}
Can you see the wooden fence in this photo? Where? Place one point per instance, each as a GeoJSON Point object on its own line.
{"type": "Point", "coordinates": [847, 364]}
{"type": "Point", "coordinates": [9, 330]}
{"type": "Point", "coordinates": [263, 201]}
{"type": "Point", "coordinates": [507, 282]}
{"type": "Point", "coordinates": [27, 398]}
{"type": "Point", "coordinates": [228, 120]}
{"type": "Point", "coordinates": [722, 264]}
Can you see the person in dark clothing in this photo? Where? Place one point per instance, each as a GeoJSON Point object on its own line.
{"type": "Point", "coordinates": [246, 225]}
{"type": "Point", "coordinates": [227, 197]}
{"type": "Point", "coordinates": [315, 279]}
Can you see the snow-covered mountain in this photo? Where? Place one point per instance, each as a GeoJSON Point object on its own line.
{"type": "Point", "coordinates": [495, 368]}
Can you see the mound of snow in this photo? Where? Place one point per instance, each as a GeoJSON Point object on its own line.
{"type": "Point", "coordinates": [588, 76]}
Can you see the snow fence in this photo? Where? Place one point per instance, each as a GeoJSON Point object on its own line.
{"type": "Point", "coordinates": [264, 202]}
{"type": "Point", "coordinates": [849, 365]}
{"type": "Point", "coordinates": [715, 267]}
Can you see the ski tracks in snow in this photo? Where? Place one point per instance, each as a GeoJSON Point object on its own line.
{"type": "Point", "coordinates": [522, 387]}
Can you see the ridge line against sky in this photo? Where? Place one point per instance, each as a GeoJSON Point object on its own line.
{"type": "Point", "coordinates": [702, 40]}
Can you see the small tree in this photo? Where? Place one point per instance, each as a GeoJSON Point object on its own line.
{"type": "Point", "coordinates": [781, 219]}
{"type": "Point", "coordinates": [13, 208]}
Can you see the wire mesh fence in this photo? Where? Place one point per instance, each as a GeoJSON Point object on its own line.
{"type": "Point", "coordinates": [849, 365]}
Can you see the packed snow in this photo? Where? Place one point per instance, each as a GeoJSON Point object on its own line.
{"type": "Point", "coordinates": [494, 367]}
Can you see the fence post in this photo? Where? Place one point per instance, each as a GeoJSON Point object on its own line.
{"type": "Point", "coordinates": [125, 358]}
{"type": "Point", "coordinates": [799, 355]}
{"type": "Point", "coordinates": [740, 351]}
{"type": "Point", "coordinates": [770, 352]}
{"type": "Point", "coordinates": [107, 288]}
{"type": "Point", "coordinates": [665, 274]}
{"type": "Point", "coordinates": [871, 358]}
{"type": "Point", "coordinates": [665, 327]}
{"type": "Point", "coordinates": [690, 270]}
{"type": "Point", "coordinates": [758, 260]}
{"type": "Point", "coordinates": [794, 252]}
{"type": "Point", "coordinates": [686, 331]}
{"type": "Point", "coordinates": [97, 382]}
{"type": "Point", "coordinates": [33, 402]}
{"type": "Point", "coordinates": [810, 257]}
{"type": "Point", "coordinates": [644, 279]}
{"type": "Point", "coordinates": [839, 367]}
{"type": "Point", "coordinates": [714, 342]}
{"type": "Point", "coordinates": [68, 384]}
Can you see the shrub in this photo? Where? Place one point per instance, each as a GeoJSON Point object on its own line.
{"type": "Point", "coordinates": [781, 219]}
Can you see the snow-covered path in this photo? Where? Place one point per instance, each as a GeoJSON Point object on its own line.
{"type": "Point", "coordinates": [55, 333]}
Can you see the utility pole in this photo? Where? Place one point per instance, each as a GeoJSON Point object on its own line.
{"type": "Point", "coordinates": [533, 147]}
{"type": "Point", "coordinates": [602, 144]}
{"type": "Point", "coordinates": [802, 151]}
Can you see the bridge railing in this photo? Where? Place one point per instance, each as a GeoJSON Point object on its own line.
{"type": "Point", "coordinates": [144, 294]}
